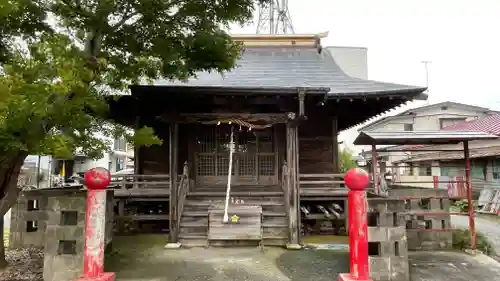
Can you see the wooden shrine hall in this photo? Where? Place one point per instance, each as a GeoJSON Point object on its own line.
{"type": "Point", "coordinates": [272, 123]}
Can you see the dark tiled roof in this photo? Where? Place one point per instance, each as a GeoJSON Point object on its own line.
{"type": "Point", "coordinates": [292, 67]}
{"type": "Point", "coordinates": [489, 124]}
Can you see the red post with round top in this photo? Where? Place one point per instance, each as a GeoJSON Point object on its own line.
{"type": "Point", "coordinates": [97, 180]}
{"type": "Point", "coordinates": [356, 180]}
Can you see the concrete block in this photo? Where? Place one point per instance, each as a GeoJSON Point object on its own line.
{"type": "Point", "coordinates": [400, 269]}
{"type": "Point", "coordinates": [435, 204]}
{"type": "Point", "coordinates": [62, 267]}
{"type": "Point", "coordinates": [293, 246]}
{"type": "Point", "coordinates": [173, 246]}
{"type": "Point", "coordinates": [380, 268]}
{"type": "Point", "coordinates": [386, 219]}
{"type": "Point", "coordinates": [403, 248]}
{"type": "Point", "coordinates": [396, 233]}
{"type": "Point", "coordinates": [377, 205]}
{"type": "Point", "coordinates": [377, 234]}
{"type": "Point", "coordinates": [395, 205]}
{"type": "Point", "coordinates": [387, 249]}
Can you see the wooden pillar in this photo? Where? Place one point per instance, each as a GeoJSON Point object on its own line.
{"type": "Point", "coordinates": [292, 154]}
{"type": "Point", "coordinates": [335, 146]}
{"type": "Point", "coordinates": [137, 165]}
{"type": "Point", "coordinates": [173, 166]}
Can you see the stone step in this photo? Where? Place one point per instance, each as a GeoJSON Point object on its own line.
{"type": "Point", "coordinates": [194, 242]}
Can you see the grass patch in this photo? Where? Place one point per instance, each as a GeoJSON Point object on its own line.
{"type": "Point", "coordinates": [461, 241]}
{"type": "Point", "coordinates": [6, 237]}
{"type": "Point", "coordinates": [325, 239]}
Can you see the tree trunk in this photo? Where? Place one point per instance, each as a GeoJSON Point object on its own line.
{"type": "Point", "coordinates": [10, 167]}
{"type": "Point", "coordinates": [3, 262]}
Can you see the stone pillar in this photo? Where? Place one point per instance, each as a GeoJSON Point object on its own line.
{"type": "Point", "coordinates": [63, 255]}
{"type": "Point", "coordinates": [28, 221]}
{"type": "Point", "coordinates": [387, 244]}
{"type": "Point", "coordinates": [428, 220]}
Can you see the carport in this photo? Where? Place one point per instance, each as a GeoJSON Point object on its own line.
{"type": "Point", "coordinates": [426, 138]}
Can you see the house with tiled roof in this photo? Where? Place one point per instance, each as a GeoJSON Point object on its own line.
{"type": "Point", "coordinates": [484, 154]}
{"type": "Point", "coordinates": [431, 117]}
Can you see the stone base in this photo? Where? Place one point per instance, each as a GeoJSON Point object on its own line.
{"type": "Point", "coordinates": [293, 246]}
{"type": "Point", "coordinates": [173, 246]}
{"type": "Point", "coordinates": [349, 277]}
{"type": "Point", "coordinates": [106, 276]}
{"type": "Point", "coordinates": [473, 252]}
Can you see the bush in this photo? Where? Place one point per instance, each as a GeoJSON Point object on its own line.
{"type": "Point", "coordinates": [461, 241]}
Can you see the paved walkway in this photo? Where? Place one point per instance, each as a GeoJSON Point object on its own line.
{"type": "Point", "coordinates": [456, 266]}
{"type": "Point", "coordinates": [489, 227]}
{"type": "Point", "coordinates": [147, 261]}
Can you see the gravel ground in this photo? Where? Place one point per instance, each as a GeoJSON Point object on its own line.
{"type": "Point", "coordinates": [24, 265]}
{"type": "Point", "coordinates": [489, 227]}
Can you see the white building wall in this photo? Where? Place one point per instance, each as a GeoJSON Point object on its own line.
{"type": "Point", "coordinates": [352, 60]}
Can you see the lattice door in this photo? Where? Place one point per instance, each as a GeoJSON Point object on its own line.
{"type": "Point", "coordinates": [253, 160]}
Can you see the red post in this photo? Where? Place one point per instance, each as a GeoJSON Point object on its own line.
{"type": "Point", "coordinates": [356, 180]}
{"type": "Point", "coordinates": [468, 185]}
{"type": "Point", "coordinates": [97, 180]}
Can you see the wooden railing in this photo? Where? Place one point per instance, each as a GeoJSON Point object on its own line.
{"type": "Point", "coordinates": [140, 181]}
{"type": "Point", "coordinates": [321, 180]}
{"type": "Point", "coordinates": [182, 191]}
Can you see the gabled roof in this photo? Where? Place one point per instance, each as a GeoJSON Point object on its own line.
{"type": "Point", "coordinates": [489, 124]}
{"type": "Point", "coordinates": [294, 67]}
{"type": "Point", "coordinates": [423, 108]}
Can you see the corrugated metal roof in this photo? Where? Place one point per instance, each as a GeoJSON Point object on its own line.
{"type": "Point", "coordinates": [419, 137]}
{"type": "Point", "coordinates": [454, 155]}
{"type": "Point", "coordinates": [488, 124]}
{"type": "Point", "coordinates": [288, 67]}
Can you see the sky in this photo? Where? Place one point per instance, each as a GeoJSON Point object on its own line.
{"type": "Point", "coordinates": [460, 38]}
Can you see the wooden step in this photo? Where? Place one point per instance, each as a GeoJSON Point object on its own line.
{"type": "Point", "coordinates": [235, 193]}
{"type": "Point", "coordinates": [144, 217]}
{"type": "Point", "coordinates": [208, 202]}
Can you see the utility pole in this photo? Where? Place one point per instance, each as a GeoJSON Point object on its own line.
{"type": "Point", "coordinates": [426, 65]}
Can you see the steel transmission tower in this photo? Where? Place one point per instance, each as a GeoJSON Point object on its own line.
{"type": "Point", "coordinates": [274, 18]}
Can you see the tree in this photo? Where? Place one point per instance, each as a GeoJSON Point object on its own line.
{"type": "Point", "coordinates": [346, 160]}
{"type": "Point", "coordinates": [59, 59]}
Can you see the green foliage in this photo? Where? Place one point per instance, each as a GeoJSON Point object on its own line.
{"type": "Point", "coordinates": [52, 84]}
{"type": "Point", "coordinates": [462, 205]}
{"type": "Point", "coordinates": [346, 161]}
{"type": "Point", "coordinates": [461, 241]}
{"type": "Point", "coordinates": [54, 74]}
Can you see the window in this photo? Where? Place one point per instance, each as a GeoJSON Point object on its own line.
{"type": "Point", "coordinates": [408, 127]}
{"type": "Point", "coordinates": [410, 169]}
{"type": "Point", "coordinates": [120, 164]}
{"type": "Point", "coordinates": [425, 170]}
{"type": "Point", "coordinates": [445, 122]}
{"type": "Point", "coordinates": [120, 144]}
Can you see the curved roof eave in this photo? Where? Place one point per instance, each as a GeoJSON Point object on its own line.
{"type": "Point", "coordinates": [292, 67]}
